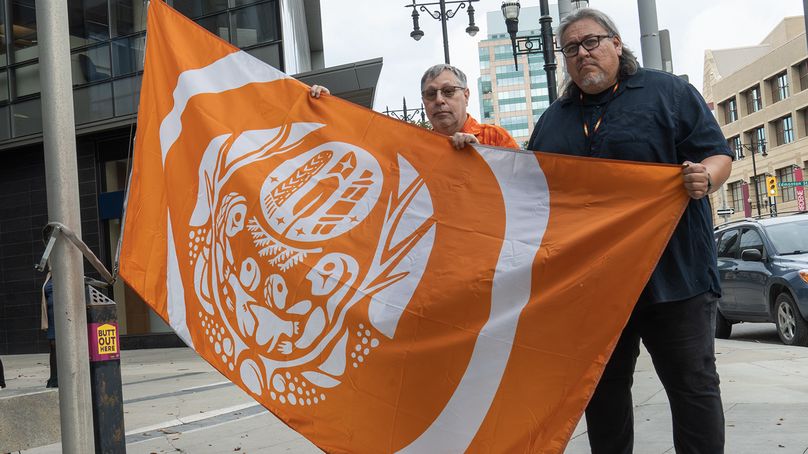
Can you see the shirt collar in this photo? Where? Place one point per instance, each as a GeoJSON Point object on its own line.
{"type": "Point", "coordinates": [636, 80]}
{"type": "Point", "coordinates": [471, 126]}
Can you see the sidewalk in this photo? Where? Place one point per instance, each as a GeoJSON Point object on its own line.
{"type": "Point", "coordinates": [175, 402]}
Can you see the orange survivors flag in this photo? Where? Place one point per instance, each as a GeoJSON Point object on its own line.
{"type": "Point", "coordinates": [374, 288]}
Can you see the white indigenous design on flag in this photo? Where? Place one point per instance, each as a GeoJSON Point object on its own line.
{"type": "Point", "coordinates": [303, 345]}
{"type": "Point", "coordinates": [374, 288]}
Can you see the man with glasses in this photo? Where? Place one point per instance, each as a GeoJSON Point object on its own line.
{"type": "Point", "coordinates": [611, 108]}
{"type": "Point", "coordinates": [446, 95]}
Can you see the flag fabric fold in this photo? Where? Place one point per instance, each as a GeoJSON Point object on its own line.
{"type": "Point", "coordinates": [374, 288]}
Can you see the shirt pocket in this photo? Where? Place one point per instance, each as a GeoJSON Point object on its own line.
{"type": "Point", "coordinates": [636, 133]}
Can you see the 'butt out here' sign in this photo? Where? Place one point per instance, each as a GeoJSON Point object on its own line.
{"type": "Point", "coordinates": [104, 341]}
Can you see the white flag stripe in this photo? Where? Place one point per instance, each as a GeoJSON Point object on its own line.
{"type": "Point", "coordinates": [527, 208]}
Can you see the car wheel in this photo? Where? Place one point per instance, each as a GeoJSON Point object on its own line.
{"type": "Point", "coordinates": [791, 327]}
{"type": "Point", "coordinates": [723, 327]}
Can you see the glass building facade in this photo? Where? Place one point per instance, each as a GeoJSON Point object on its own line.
{"type": "Point", "coordinates": [107, 45]}
{"type": "Point", "coordinates": [512, 97]}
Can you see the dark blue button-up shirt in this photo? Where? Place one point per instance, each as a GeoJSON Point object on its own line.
{"type": "Point", "coordinates": [652, 117]}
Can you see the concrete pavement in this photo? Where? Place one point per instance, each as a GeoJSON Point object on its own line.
{"type": "Point", "coordinates": [175, 402]}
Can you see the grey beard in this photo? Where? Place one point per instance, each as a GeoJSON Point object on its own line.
{"type": "Point", "coordinates": [596, 81]}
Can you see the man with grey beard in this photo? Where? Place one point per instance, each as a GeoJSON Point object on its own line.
{"type": "Point", "coordinates": [611, 108]}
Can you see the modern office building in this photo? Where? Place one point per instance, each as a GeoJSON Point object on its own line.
{"type": "Point", "coordinates": [760, 98]}
{"type": "Point", "coordinates": [510, 97]}
{"type": "Point", "coordinates": [107, 41]}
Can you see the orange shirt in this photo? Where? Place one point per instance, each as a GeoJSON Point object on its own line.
{"type": "Point", "coordinates": [488, 134]}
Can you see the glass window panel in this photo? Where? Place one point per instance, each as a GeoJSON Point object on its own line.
{"type": "Point", "coordinates": [750, 239]}
{"type": "Point", "coordinates": [736, 147]}
{"type": "Point", "coordinates": [3, 59]}
{"type": "Point", "coordinates": [788, 130]}
{"type": "Point", "coordinates": [196, 8]}
{"type": "Point", "coordinates": [728, 245]}
{"type": "Point", "coordinates": [128, 54]}
{"type": "Point", "coordinates": [26, 118]}
{"type": "Point", "coordinates": [5, 127]}
{"type": "Point", "coordinates": [3, 86]}
{"type": "Point", "coordinates": [218, 25]}
{"type": "Point", "coordinates": [88, 21]}
{"type": "Point", "coordinates": [26, 80]}
{"type": "Point", "coordinates": [127, 95]}
{"type": "Point", "coordinates": [736, 194]}
{"type": "Point", "coordinates": [802, 70]}
{"type": "Point", "coordinates": [23, 16]}
{"type": "Point", "coordinates": [270, 55]}
{"type": "Point", "coordinates": [115, 175]}
{"type": "Point", "coordinates": [784, 175]}
{"type": "Point", "coordinates": [92, 103]}
{"type": "Point", "coordinates": [128, 16]}
{"type": "Point", "coordinates": [244, 2]}
{"type": "Point", "coordinates": [256, 24]}
{"type": "Point", "coordinates": [753, 100]}
{"type": "Point", "coordinates": [91, 65]}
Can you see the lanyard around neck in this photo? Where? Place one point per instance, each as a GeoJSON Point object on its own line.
{"type": "Point", "coordinates": [600, 118]}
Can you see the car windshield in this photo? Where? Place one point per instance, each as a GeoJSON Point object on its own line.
{"type": "Point", "coordinates": [790, 237]}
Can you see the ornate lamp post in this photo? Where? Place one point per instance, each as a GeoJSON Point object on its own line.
{"type": "Point", "coordinates": [442, 14]}
{"type": "Point", "coordinates": [525, 45]}
{"type": "Point", "coordinates": [756, 147]}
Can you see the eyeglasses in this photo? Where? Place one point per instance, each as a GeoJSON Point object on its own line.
{"type": "Point", "coordinates": [447, 92]}
{"type": "Point", "coordinates": [570, 50]}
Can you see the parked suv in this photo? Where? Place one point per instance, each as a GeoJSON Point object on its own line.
{"type": "Point", "coordinates": [763, 264]}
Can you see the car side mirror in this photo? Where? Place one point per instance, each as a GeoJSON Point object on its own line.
{"type": "Point", "coordinates": [751, 255]}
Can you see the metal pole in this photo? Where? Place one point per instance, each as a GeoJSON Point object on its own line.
{"type": "Point", "coordinates": [62, 187]}
{"type": "Point", "coordinates": [755, 177]}
{"type": "Point", "coordinates": [445, 33]}
{"type": "Point", "coordinates": [805, 15]}
{"type": "Point", "coordinates": [105, 369]}
{"type": "Point", "coordinates": [649, 34]}
{"type": "Point", "coordinates": [548, 50]}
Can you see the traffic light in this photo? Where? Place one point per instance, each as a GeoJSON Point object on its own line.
{"type": "Point", "coordinates": [771, 186]}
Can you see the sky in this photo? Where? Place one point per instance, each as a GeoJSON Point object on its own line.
{"type": "Point", "coordinates": [358, 30]}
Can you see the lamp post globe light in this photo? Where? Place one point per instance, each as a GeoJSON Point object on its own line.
{"type": "Point", "coordinates": [525, 45]}
{"type": "Point", "coordinates": [443, 15]}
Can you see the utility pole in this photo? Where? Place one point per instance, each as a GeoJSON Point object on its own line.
{"type": "Point", "coordinates": [548, 48]}
{"type": "Point", "coordinates": [649, 34]}
{"type": "Point", "coordinates": [805, 16]}
{"type": "Point", "coordinates": [61, 176]}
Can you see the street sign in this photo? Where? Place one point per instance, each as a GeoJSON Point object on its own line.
{"type": "Point", "coordinates": [725, 211]}
{"type": "Point", "coordinates": [792, 184]}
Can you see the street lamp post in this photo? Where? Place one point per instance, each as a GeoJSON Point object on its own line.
{"type": "Point", "coordinates": [525, 45]}
{"type": "Point", "coordinates": [442, 14]}
{"type": "Point", "coordinates": [754, 148]}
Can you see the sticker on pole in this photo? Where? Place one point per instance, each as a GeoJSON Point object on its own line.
{"type": "Point", "coordinates": [104, 342]}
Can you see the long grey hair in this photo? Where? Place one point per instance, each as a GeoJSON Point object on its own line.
{"type": "Point", "coordinates": [628, 62]}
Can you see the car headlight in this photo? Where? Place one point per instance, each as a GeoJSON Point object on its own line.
{"type": "Point", "coordinates": [804, 275]}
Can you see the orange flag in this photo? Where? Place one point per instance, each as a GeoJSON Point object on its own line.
{"type": "Point", "coordinates": [374, 288]}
